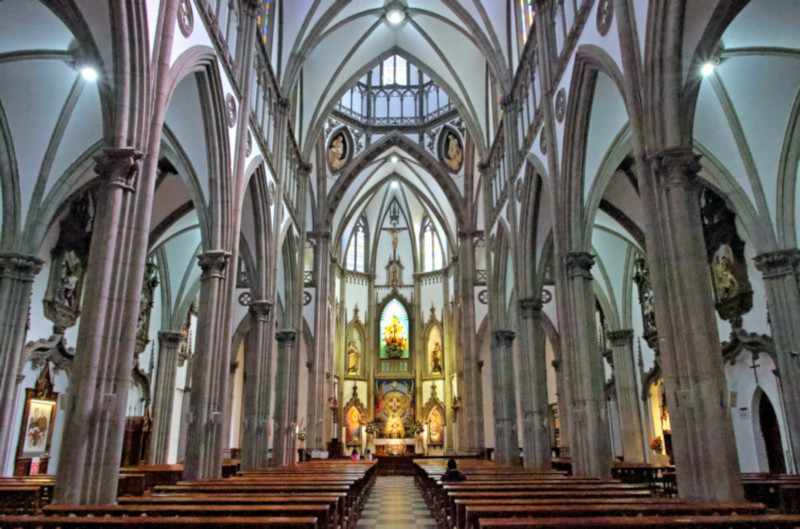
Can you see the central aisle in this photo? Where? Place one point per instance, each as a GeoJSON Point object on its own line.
{"type": "Point", "coordinates": [395, 503]}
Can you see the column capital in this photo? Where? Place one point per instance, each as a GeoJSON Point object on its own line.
{"type": "Point", "coordinates": [503, 338]}
{"type": "Point", "coordinates": [19, 266]}
{"type": "Point", "coordinates": [620, 338]}
{"type": "Point", "coordinates": [260, 309]}
{"type": "Point", "coordinates": [780, 263]}
{"type": "Point", "coordinates": [484, 167]}
{"type": "Point", "coordinates": [579, 264]}
{"type": "Point", "coordinates": [304, 167]}
{"type": "Point", "coordinates": [252, 7]}
{"type": "Point", "coordinates": [530, 307]}
{"type": "Point", "coordinates": [170, 338]}
{"type": "Point", "coordinates": [677, 166]}
{"type": "Point", "coordinates": [286, 337]}
{"type": "Point", "coordinates": [507, 102]}
{"type": "Point", "coordinates": [213, 263]}
{"type": "Point", "coordinates": [118, 166]}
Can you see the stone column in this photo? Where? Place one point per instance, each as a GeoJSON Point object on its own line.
{"type": "Point", "coordinates": [257, 387]}
{"type": "Point", "coordinates": [781, 272]}
{"type": "Point", "coordinates": [317, 384]}
{"type": "Point", "coordinates": [630, 415]}
{"type": "Point", "coordinates": [185, 414]}
{"type": "Point", "coordinates": [210, 372]}
{"type": "Point", "coordinates": [169, 344]}
{"type": "Point", "coordinates": [691, 358]}
{"type": "Point", "coordinates": [16, 277]}
{"type": "Point", "coordinates": [504, 394]}
{"type": "Point", "coordinates": [590, 443]}
{"type": "Point", "coordinates": [533, 393]}
{"type": "Point", "coordinates": [285, 398]}
{"type": "Point", "coordinates": [564, 412]}
{"type": "Point", "coordinates": [470, 391]}
{"type": "Point", "coordinates": [94, 427]}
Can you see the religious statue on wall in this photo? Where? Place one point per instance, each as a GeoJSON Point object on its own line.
{"type": "Point", "coordinates": [726, 260]}
{"type": "Point", "coordinates": [641, 276]}
{"type": "Point", "coordinates": [436, 358]}
{"type": "Point", "coordinates": [338, 152]}
{"type": "Point", "coordinates": [352, 359]}
{"type": "Point", "coordinates": [146, 306]}
{"type": "Point", "coordinates": [70, 259]}
{"type": "Point", "coordinates": [451, 150]}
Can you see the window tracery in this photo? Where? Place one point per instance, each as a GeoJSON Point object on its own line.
{"type": "Point", "coordinates": [356, 248]}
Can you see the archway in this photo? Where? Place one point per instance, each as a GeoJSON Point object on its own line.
{"type": "Point", "coordinates": [768, 432]}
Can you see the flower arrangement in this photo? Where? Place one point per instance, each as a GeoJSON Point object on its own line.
{"type": "Point", "coordinates": [657, 444]}
{"type": "Point", "coordinates": [374, 426]}
{"type": "Point", "coordinates": [414, 429]}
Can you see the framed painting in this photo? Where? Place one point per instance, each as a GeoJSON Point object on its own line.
{"type": "Point", "coordinates": [36, 430]}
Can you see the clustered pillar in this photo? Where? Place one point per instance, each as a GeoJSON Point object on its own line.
{"type": "Point", "coordinates": [169, 344]}
{"type": "Point", "coordinates": [284, 440]}
{"type": "Point", "coordinates": [210, 373]}
{"type": "Point", "coordinates": [257, 387]}
{"type": "Point", "coordinates": [630, 417]}
{"type": "Point", "coordinates": [16, 277]}
{"type": "Point", "coordinates": [703, 443]}
{"type": "Point", "coordinates": [781, 272]}
{"type": "Point", "coordinates": [505, 398]}
{"type": "Point", "coordinates": [533, 393]}
{"type": "Point", "coordinates": [585, 376]}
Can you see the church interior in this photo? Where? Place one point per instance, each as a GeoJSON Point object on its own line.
{"type": "Point", "coordinates": [552, 237]}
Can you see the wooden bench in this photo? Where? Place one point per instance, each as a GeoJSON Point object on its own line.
{"type": "Point", "coordinates": [19, 499]}
{"type": "Point", "coordinates": [187, 522]}
{"type": "Point", "coordinates": [772, 521]}
{"type": "Point", "coordinates": [474, 514]}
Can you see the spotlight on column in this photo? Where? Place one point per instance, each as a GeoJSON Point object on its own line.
{"type": "Point", "coordinates": [89, 73]}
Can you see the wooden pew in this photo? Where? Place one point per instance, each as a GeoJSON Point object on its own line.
{"type": "Point", "coordinates": [187, 522]}
{"type": "Point", "coordinates": [475, 514]}
{"type": "Point", "coordinates": [772, 521]}
{"type": "Point", "coordinates": [19, 499]}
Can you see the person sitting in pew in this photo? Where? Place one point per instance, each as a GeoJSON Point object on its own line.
{"type": "Point", "coordinates": [452, 473]}
{"type": "Point", "coordinates": [354, 456]}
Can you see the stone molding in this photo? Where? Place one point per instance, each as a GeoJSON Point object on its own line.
{"type": "Point", "coordinates": [777, 264]}
{"type": "Point", "coordinates": [286, 337]}
{"type": "Point", "coordinates": [530, 307]}
{"type": "Point", "coordinates": [260, 309]}
{"type": "Point", "coordinates": [620, 338]}
{"type": "Point", "coordinates": [675, 167]}
{"type": "Point", "coordinates": [119, 166]}
{"type": "Point", "coordinates": [170, 338]}
{"type": "Point", "coordinates": [503, 338]}
{"type": "Point", "coordinates": [213, 263]}
{"type": "Point", "coordinates": [579, 264]}
{"type": "Point", "coordinates": [19, 266]}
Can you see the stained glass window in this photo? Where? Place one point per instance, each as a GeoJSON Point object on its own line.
{"type": "Point", "coordinates": [264, 21]}
{"type": "Point", "coordinates": [357, 247]}
{"type": "Point", "coordinates": [431, 250]}
{"type": "Point", "coordinates": [526, 15]}
{"type": "Point", "coordinates": [395, 71]}
{"type": "Point", "coordinates": [394, 331]}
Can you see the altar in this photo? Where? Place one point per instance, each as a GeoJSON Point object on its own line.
{"type": "Point", "coordinates": [395, 447]}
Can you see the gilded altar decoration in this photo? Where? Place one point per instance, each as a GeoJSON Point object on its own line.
{"type": "Point", "coordinates": [353, 432]}
{"type": "Point", "coordinates": [394, 331]}
{"type": "Point", "coordinates": [394, 338]}
{"type": "Point", "coordinates": [338, 151]}
{"type": "Point", "coordinates": [451, 150]}
{"type": "Point", "coordinates": [394, 406]}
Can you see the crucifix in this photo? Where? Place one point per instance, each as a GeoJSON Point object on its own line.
{"type": "Point", "coordinates": [394, 220]}
{"type": "Point", "coordinates": [754, 366]}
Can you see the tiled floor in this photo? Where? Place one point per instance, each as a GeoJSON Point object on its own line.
{"type": "Point", "coordinates": [395, 503]}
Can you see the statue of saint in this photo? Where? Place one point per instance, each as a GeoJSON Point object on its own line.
{"type": "Point", "coordinates": [724, 278]}
{"type": "Point", "coordinates": [454, 153]}
{"type": "Point", "coordinates": [336, 156]}
{"type": "Point", "coordinates": [352, 359]}
{"type": "Point", "coordinates": [436, 358]}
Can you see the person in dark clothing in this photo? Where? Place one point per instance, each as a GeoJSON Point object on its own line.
{"type": "Point", "coordinates": [452, 473]}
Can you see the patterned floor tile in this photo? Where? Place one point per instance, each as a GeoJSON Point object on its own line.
{"type": "Point", "coordinates": [395, 503]}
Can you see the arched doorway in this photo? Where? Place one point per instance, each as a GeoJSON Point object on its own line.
{"type": "Point", "coordinates": [771, 434]}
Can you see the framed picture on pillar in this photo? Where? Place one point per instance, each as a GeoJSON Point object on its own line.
{"type": "Point", "coordinates": [36, 430]}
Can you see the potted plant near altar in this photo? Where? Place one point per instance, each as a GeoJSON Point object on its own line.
{"type": "Point", "coordinates": [414, 430]}
{"type": "Point", "coordinates": [659, 457]}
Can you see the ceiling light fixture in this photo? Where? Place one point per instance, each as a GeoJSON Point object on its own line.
{"type": "Point", "coordinates": [395, 185]}
{"type": "Point", "coordinates": [394, 158]}
{"type": "Point", "coordinates": [89, 73]}
{"type": "Point", "coordinates": [708, 68]}
{"type": "Point", "coordinates": [395, 16]}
